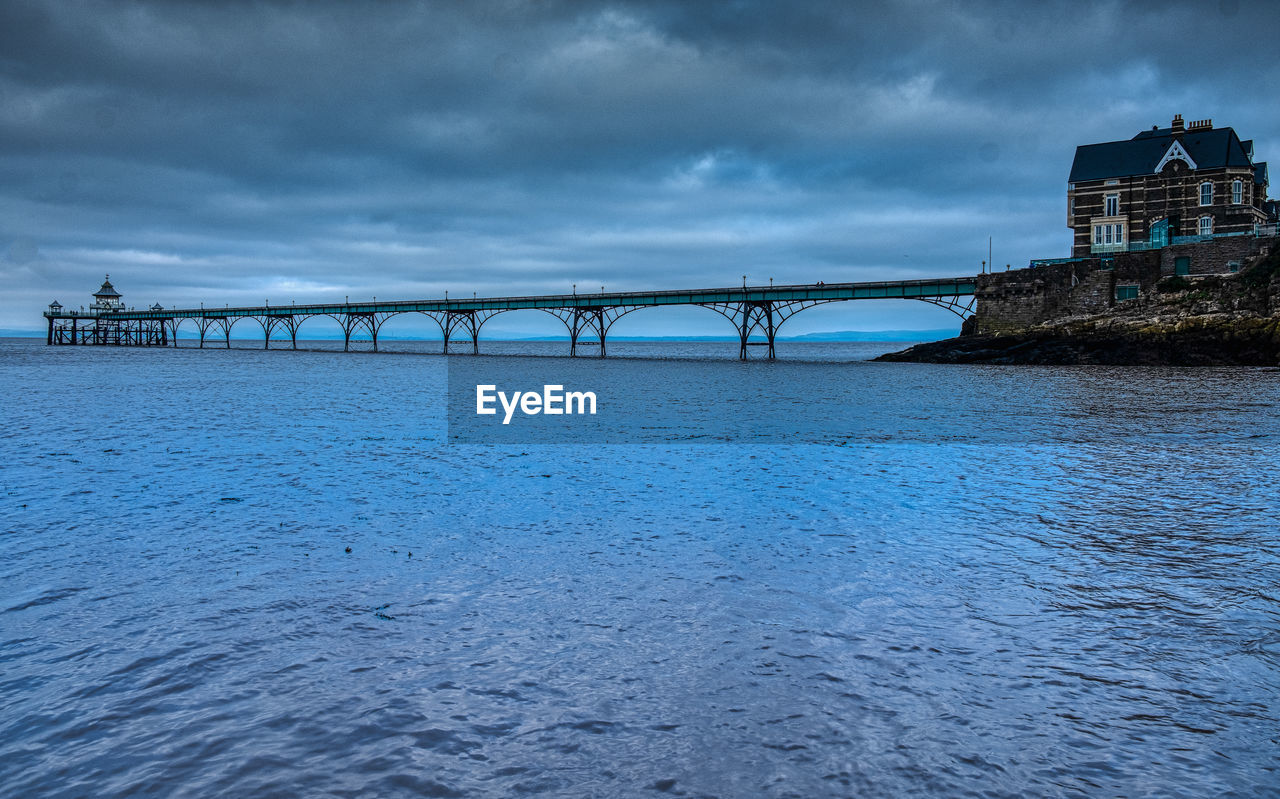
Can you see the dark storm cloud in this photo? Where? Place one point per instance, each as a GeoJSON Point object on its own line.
{"type": "Point", "coordinates": [231, 151]}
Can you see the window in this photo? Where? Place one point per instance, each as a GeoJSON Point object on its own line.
{"type": "Point", "coordinates": [1206, 193]}
{"type": "Point", "coordinates": [1206, 225]}
{"type": "Point", "coordinates": [1120, 234]}
{"type": "Point", "coordinates": [1113, 183]}
{"type": "Point", "coordinates": [1112, 204]}
{"type": "Point", "coordinates": [1237, 191]}
{"type": "Point", "coordinates": [1097, 234]}
{"type": "Point", "coordinates": [1106, 233]}
{"type": "Point", "coordinates": [1233, 266]}
{"type": "Point", "coordinates": [1126, 293]}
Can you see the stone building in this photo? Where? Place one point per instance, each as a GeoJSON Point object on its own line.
{"type": "Point", "coordinates": [1164, 183]}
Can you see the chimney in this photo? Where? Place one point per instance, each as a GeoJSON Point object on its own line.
{"type": "Point", "coordinates": [1177, 123]}
{"type": "Point", "coordinates": [1201, 124]}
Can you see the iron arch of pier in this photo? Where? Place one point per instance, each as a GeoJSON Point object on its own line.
{"type": "Point", "coordinates": [960, 306]}
{"type": "Point", "coordinates": [468, 320]}
{"type": "Point", "coordinates": [595, 321]}
{"type": "Point", "coordinates": [173, 325]}
{"type": "Point", "coordinates": [353, 321]}
{"type": "Point", "coordinates": [290, 322]}
{"type": "Point", "coordinates": [761, 318]}
{"type": "Point", "coordinates": [266, 322]}
{"type": "Point", "coordinates": [224, 324]}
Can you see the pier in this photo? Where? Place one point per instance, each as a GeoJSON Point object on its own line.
{"type": "Point", "coordinates": [755, 311]}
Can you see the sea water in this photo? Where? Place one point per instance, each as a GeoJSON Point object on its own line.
{"type": "Point", "coordinates": [249, 573]}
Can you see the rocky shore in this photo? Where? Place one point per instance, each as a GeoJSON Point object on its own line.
{"type": "Point", "coordinates": [1210, 320]}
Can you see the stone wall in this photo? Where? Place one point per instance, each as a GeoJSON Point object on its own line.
{"type": "Point", "coordinates": [1212, 257]}
{"type": "Point", "coordinates": [1012, 301]}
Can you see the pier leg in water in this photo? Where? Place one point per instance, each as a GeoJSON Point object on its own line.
{"type": "Point", "coordinates": [601, 327]}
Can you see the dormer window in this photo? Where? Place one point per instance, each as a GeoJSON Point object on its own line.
{"type": "Point", "coordinates": [1206, 193]}
{"type": "Point", "coordinates": [1111, 205]}
{"type": "Point", "coordinates": [1237, 191]}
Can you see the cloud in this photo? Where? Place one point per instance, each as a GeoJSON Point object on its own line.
{"type": "Point", "coordinates": [211, 152]}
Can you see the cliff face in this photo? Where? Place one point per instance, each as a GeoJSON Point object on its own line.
{"type": "Point", "coordinates": [1069, 314]}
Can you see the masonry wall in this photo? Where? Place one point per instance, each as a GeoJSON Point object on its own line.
{"type": "Point", "coordinates": [1214, 256]}
{"type": "Point", "coordinates": [1015, 300]}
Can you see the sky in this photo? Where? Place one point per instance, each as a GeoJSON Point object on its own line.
{"type": "Point", "coordinates": [243, 152]}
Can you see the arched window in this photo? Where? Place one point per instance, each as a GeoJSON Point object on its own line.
{"type": "Point", "coordinates": [1237, 191]}
{"type": "Point", "coordinates": [1206, 225]}
{"type": "Point", "coordinates": [1206, 193]}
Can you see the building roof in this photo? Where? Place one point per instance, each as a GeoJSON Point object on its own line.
{"type": "Point", "coordinates": [107, 289]}
{"type": "Point", "coordinates": [1210, 148]}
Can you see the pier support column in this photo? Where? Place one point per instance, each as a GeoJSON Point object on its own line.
{"type": "Point", "coordinates": [49, 339]}
{"type": "Point", "coordinates": [578, 320]}
{"type": "Point", "coordinates": [758, 317]}
{"type": "Point", "coordinates": [601, 328]}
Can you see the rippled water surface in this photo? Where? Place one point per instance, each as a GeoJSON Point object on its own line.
{"type": "Point", "coordinates": [1081, 600]}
